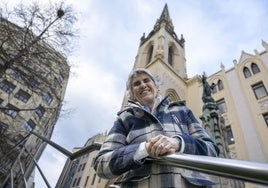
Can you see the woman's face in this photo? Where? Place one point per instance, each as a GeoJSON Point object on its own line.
{"type": "Point", "coordinates": [144, 90]}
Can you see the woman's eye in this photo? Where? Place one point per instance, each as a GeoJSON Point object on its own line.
{"type": "Point", "coordinates": [136, 83]}
{"type": "Point", "coordinates": [146, 80]}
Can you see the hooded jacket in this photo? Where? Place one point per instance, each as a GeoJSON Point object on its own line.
{"type": "Point", "coordinates": [135, 125]}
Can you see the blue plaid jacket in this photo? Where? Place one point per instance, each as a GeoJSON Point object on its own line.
{"type": "Point", "coordinates": [135, 125]}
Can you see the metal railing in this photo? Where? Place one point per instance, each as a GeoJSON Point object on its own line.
{"type": "Point", "coordinates": [253, 172]}
{"type": "Point", "coordinates": [71, 156]}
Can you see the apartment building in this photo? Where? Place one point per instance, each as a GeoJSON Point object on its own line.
{"type": "Point", "coordinates": [33, 81]}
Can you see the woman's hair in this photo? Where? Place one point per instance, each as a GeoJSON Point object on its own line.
{"type": "Point", "coordinates": [133, 74]}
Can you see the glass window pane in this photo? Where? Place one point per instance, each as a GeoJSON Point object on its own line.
{"type": "Point", "coordinates": [40, 111]}
{"type": "Point", "coordinates": [230, 137]}
{"type": "Point", "coordinates": [22, 96]}
{"type": "Point", "coordinates": [213, 88]}
{"type": "Point", "coordinates": [259, 90]}
{"type": "Point", "coordinates": [246, 72]}
{"type": "Point", "coordinates": [150, 54]}
{"type": "Point", "coordinates": [11, 110]}
{"type": "Point", "coordinates": [48, 98]}
{"type": "Point", "coordinates": [255, 68]}
{"type": "Point", "coordinates": [170, 56]}
{"type": "Point", "coordinates": [220, 85]}
{"type": "Point", "coordinates": [3, 127]}
{"type": "Point", "coordinates": [221, 106]}
{"type": "Point", "coordinates": [30, 125]}
{"type": "Point", "coordinates": [7, 86]}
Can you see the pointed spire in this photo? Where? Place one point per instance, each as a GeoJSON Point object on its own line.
{"type": "Point", "coordinates": [164, 20]}
{"type": "Point", "coordinates": [165, 13]}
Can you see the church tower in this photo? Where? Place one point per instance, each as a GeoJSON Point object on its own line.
{"type": "Point", "coordinates": [163, 53]}
{"type": "Point", "coordinates": [162, 45]}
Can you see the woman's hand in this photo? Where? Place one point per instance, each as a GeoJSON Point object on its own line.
{"type": "Point", "coordinates": [161, 145]}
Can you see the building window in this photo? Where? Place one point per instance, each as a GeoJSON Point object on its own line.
{"type": "Point", "coordinates": [247, 72]}
{"type": "Point", "coordinates": [48, 98]}
{"type": "Point", "coordinates": [213, 88]}
{"type": "Point", "coordinates": [17, 74]}
{"type": "Point", "coordinates": [74, 182]}
{"type": "Point", "coordinates": [30, 125]}
{"type": "Point", "coordinates": [60, 79]}
{"type": "Point", "coordinates": [221, 106]}
{"type": "Point", "coordinates": [92, 162]}
{"type": "Point", "coordinates": [230, 137]}
{"type": "Point", "coordinates": [259, 90]}
{"type": "Point", "coordinates": [220, 85]}
{"type": "Point", "coordinates": [11, 110]}
{"type": "Point", "coordinates": [40, 111]}
{"type": "Point", "coordinates": [255, 69]}
{"type": "Point", "coordinates": [93, 180]}
{"type": "Point", "coordinates": [150, 54]}
{"type": "Point", "coordinates": [170, 55]}
{"type": "Point", "coordinates": [22, 96]}
{"type": "Point", "coordinates": [172, 95]}
{"type": "Point", "coordinates": [3, 127]}
{"type": "Point", "coordinates": [86, 181]}
{"type": "Point", "coordinates": [79, 168]}
{"type": "Point", "coordinates": [265, 116]}
{"type": "Point", "coordinates": [84, 165]}
{"type": "Point", "coordinates": [7, 86]}
{"type": "Point", "coordinates": [78, 181]}
{"type": "Point", "coordinates": [33, 84]}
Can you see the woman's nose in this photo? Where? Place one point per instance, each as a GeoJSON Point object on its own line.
{"type": "Point", "coordinates": [143, 85]}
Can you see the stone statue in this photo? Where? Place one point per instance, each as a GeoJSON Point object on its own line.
{"type": "Point", "coordinates": [206, 97]}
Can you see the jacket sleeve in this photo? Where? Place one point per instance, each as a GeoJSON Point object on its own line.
{"type": "Point", "coordinates": [198, 141]}
{"type": "Point", "coordinates": [115, 157]}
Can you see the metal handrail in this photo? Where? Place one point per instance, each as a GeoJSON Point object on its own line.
{"type": "Point", "coordinates": [254, 172]}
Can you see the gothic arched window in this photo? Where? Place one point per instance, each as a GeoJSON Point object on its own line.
{"type": "Point", "coordinates": [213, 88]}
{"type": "Point", "coordinates": [220, 85]}
{"type": "Point", "coordinates": [246, 72]}
{"type": "Point", "coordinates": [150, 53]}
{"type": "Point", "coordinates": [255, 69]}
{"type": "Point", "coordinates": [173, 96]}
{"type": "Point", "coordinates": [170, 55]}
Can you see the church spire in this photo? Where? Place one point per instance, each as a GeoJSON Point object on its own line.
{"type": "Point", "coordinates": [164, 21]}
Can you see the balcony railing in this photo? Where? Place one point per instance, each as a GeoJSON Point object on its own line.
{"type": "Point", "coordinates": [253, 172]}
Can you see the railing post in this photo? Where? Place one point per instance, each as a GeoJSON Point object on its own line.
{"type": "Point", "coordinates": [39, 169]}
{"type": "Point", "coordinates": [22, 172]}
{"type": "Point", "coordinates": [11, 178]}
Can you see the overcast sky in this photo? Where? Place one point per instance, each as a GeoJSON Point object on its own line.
{"type": "Point", "coordinates": [215, 33]}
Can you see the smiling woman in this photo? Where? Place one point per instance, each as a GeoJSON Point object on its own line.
{"type": "Point", "coordinates": [142, 87]}
{"type": "Point", "coordinates": [151, 126]}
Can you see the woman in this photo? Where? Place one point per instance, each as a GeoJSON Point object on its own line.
{"type": "Point", "coordinates": [151, 127]}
